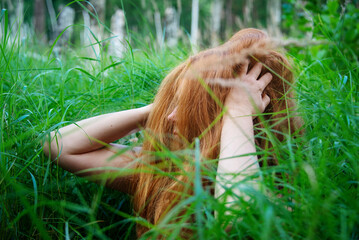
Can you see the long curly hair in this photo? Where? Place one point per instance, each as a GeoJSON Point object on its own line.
{"type": "Point", "coordinates": [197, 88]}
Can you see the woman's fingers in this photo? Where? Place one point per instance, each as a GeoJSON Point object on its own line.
{"type": "Point", "coordinates": [244, 69]}
{"type": "Point", "coordinates": [256, 70]}
{"type": "Point", "coordinates": [265, 80]}
{"type": "Point", "coordinates": [266, 101]}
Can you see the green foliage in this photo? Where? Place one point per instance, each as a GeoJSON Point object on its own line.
{"type": "Point", "coordinates": [38, 199]}
{"type": "Point", "coordinates": [312, 194]}
{"type": "Point", "coordinates": [334, 20]}
{"type": "Point", "coordinates": [339, 23]}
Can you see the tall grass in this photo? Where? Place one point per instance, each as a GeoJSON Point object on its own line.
{"type": "Point", "coordinates": [312, 194]}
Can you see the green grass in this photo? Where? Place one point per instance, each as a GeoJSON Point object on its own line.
{"type": "Point", "coordinates": [38, 200]}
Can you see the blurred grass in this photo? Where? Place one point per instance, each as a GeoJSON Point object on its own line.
{"type": "Point", "coordinates": [316, 196]}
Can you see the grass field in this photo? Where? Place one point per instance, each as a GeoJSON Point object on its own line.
{"type": "Point", "coordinates": [41, 92]}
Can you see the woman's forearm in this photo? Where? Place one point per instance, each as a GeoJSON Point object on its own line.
{"type": "Point", "coordinates": [91, 134]}
{"type": "Point", "coordinates": [237, 139]}
{"type": "Point", "coordinates": [245, 100]}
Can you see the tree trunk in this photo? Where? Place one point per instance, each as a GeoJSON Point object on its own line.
{"type": "Point", "coordinates": [248, 13]}
{"type": "Point", "coordinates": [216, 12]}
{"type": "Point", "coordinates": [100, 6]}
{"type": "Point", "coordinates": [273, 20]}
{"type": "Point", "coordinates": [52, 15]}
{"type": "Point", "coordinates": [171, 21]}
{"type": "Point", "coordinates": [117, 43]}
{"type": "Point", "coordinates": [229, 19]}
{"type": "Point", "coordinates": [16, 18]}
{"type": "Point", "coordinates": [179, 11]}
{"type": "Point", "coordinates": [194, 23]}
{"type": "Point", "coordinates": [40, 20]}
{"type": "Point", "coordinates": [87, 36]}
{"type": "Point", "coordinates": [94, 27]}
{"type": "Point", "coordinates": [145, 5]}
{"type": "Point", "coordinates": [66, 18]}
{"type": "Point", "coordinates": [158, 27]}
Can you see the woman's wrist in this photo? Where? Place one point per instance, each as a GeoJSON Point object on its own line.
{"type": "Point", "coordinates": [145, 111]}
{"type": "Point", "coordinates": [238, 111]}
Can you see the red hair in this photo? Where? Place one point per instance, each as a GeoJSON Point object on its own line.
{"type": "Point", "coordinates": [198, 115]}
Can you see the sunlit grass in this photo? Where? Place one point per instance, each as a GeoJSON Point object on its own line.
{"type": "Point", "coordinates": [312, 194]}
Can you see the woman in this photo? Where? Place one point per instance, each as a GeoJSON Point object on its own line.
{"type": "Point", "coordinates": [215, 96]}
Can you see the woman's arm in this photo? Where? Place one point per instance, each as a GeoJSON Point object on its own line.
{"type": "Point", "coordinates": [237, 137]}
{"type": "Point", "coordinates": [86, 144]}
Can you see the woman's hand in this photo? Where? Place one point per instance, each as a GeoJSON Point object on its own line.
{"type": "Point", "coordinates": [247, 98]}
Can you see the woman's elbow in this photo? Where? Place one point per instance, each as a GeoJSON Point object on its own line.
{"type": "Point", "coordinates": [51, 147]}
{"type": "Point", "coordinates": [46, 148]}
